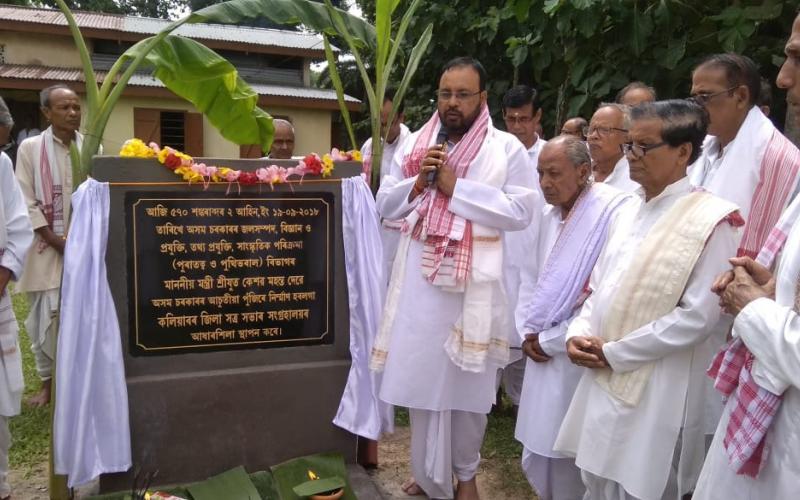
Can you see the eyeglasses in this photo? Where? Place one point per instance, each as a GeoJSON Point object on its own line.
{"type": "Point", "coordinates": [7, 146]}
{"type": "Point", "coordinates": [446, 95]}
{"type": "Point", "coordinates": [703, 99]}
{"type": "Point", "coordinates": [522, 120]}
{"type": "Point", "coordinates": [638, 150]}
{"type": "Point", "coordinates": [601, 131]}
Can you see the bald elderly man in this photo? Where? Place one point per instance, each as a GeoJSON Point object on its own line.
{"type": "Point", "coordinates": [283, 141]}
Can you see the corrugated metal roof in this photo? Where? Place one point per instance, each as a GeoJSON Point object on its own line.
{"type": "Point", "coordinates": [262, 89]}
{"type": "Point", "coordinates": [25, 72]}
{"type": "Point", "coordinates": [150, 26]}
{"type": "Point", "coordinates": [40, 73]}
{"type": "Point", "coordinates": [229, 33]}
{"type": "Point", "coordinates": [55, 17]}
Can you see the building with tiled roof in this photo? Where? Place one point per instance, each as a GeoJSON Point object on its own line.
{"type": "Point", "coordinates": [37, 50]}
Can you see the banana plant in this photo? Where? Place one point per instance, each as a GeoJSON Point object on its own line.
{"type": "Point", "coordinates": [386, 51]}
{"type": "Point", "coordinates": [198, 74]}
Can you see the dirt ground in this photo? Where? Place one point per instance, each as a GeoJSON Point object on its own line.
{"type": "Point", "coordinates": [393, 470]}
{"type": "Point", "coordinates": [29, 485]}
{"type": "Point", "coordinates": [393, 454]}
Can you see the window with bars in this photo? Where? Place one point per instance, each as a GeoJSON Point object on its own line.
{"type": "Point", "coordinates": [177, 129]}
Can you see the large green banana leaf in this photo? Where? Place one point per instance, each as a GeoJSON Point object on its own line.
{"type": "Point", "coordinates": [212, 84]}
{"type": "Point", "coordinates": [313, 15]}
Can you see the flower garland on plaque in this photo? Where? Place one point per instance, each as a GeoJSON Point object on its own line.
{"type": "Point", "coordinates": [192, 172]}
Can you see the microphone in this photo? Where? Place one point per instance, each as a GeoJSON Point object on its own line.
{"type": "Point", "coordinates": [441, 139]}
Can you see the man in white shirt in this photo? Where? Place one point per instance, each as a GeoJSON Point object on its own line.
{"type": "Point", "coordinates": [282, 147]}
{"type": "Point", "coordinates": [745, 160]}
{"type": "Point", "coordinates": [16, 236]}
{"type": "Point", "coordinates": [649, 308]}
{"type": "Point", "coordinates": [522, 114]}
{"type": "Point", "coordinates": [555, 268]}
{"type": "Point", "coordinates": [396, 134]}
{"type": "Point", "coordinates": [607, 131]}
{"type": "Point", "coordinates": [765, 305]}
{"type": "Point", "coordinates": [44, 172]}
{"type": "Point", "coordinates": [459, 184]}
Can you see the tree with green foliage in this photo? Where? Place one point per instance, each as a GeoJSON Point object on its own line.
{"type": "Point", "coordinates": [147, 8]}
{"type": "Point", "coordinates": [580, 52]}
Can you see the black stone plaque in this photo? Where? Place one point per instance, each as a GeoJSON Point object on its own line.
{"type": "Point", "coordinates": [211, 272]}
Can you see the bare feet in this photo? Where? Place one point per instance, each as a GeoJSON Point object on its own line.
{"type": "Point", "coordinates": [411, 488]}
{"type": "Point", "coordinates": [41, 398]}
{"type": "Point", "coordinates": [467, 490]}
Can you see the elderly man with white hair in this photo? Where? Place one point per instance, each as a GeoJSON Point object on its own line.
{"type": "Point", "coordinates": [16, 237]}
{"type": "Point", "coordinates": [607, 131]}
{"type": "Point", "coordinates": [563, 250]}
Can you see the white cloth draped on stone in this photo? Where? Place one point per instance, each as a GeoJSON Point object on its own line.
{"type": "Point", "coordinates": [360, 411]}
{"type": "Point", "coordinates": [91, 428]}
{"type": "Point", "coordinates": [656, 279]}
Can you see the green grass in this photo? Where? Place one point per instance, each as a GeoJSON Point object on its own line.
{"type": "Point", "coordinates": [30, 430]}
{"type": "Point", "coordinates": [500, 447]}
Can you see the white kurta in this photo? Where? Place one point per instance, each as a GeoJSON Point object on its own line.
{"type": "Point", "coordinates": [733, 174]}
{"type": "Point", "coordinates": [533, 156]}
{"type": "Point", "coordinates": [16, 236]}
{"type": "Point", "coordinates": [17, 239]}
{"type": "Point", "coordinates": [634, 446]}
{"type": "Point", "coordinates": [517, 248]}
{"type": "Point", "coordinates": [548, 387]}
{"type": "Point", "coordinates": [389, 150]}
{"type": "Point", "coordinates": [418, 372]}
{"type": "Point", "coordinates": [390, 235]}
{"type": "Point", "coordinates": [620, 177]}
{"type": "Point", "coordinates": [771, 331]}
{"type": "Point", "coordinates": [15, 219]}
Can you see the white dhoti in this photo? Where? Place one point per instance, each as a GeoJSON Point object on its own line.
{"type": "Point", "coordinates": [41, 327]}
{"type": "Point", "coordinates": [444, 443]}
{"type": "Point", "coordinates": [600, 488]}
{"type": "Point", "coordinates": [11, 383]}
{"type": "Point", "coordinates": [390, 239]}
{"type": "Point", "coordinates": [553, 478]}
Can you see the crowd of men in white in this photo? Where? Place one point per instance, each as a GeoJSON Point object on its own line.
{"type": "Point", "coordinates": [634, 280]}
{"type": "Point", "coordinates": [644, 285]}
